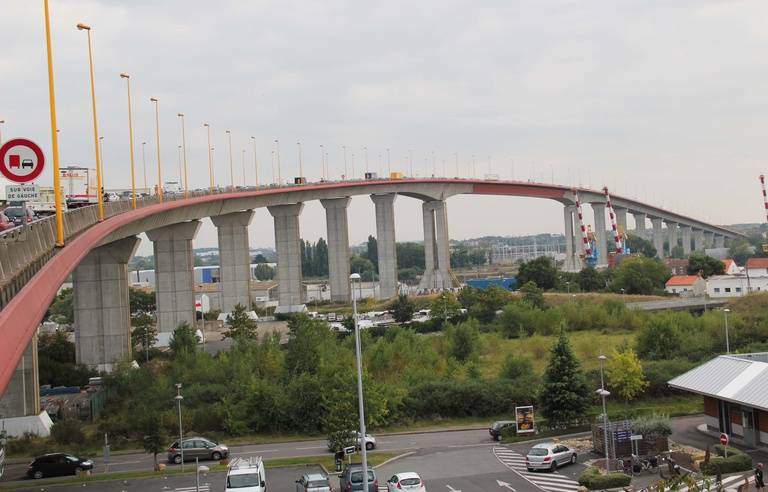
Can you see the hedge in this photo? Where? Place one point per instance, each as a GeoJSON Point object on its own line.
{"type": "Point", "coordinates": [467, 398]}
{"type": "Point", "coordinates": [737, 461]}
{"type": "Point", "coordinates": [593, 479]}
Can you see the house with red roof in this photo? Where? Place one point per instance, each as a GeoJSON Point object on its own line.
{"type": "Point", "coordinates": [731, 268]}
{"type": "Point", "coordinates": [757, 267]}
{"type": "Point", "coordinates": [686, 285]}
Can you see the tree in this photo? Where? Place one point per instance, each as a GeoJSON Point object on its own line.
{"type": "Point", "coordinates": [515, 367]}
{"type": "Point", "coordinates": [144, 333]}
{"type": "Point", "coordinates": [260, 258]}
{"type": "Point", "coordinates": [372, 252]}
{"type": "Point", "coordinates": [321, 258]}
{"type": "Point", "coordinates": [542, 271]}
{"type": "Point", "coordinates": [264, 272]}
{"type": "Point", "coordinates": [56, 361]}
{"type": "Point", "coordinates": [240, 327]}
{"type": "Point", "coordinates": [154, 438]}
{"type": "Point", "coordinates": [141, 301]}
{"type": "Point", "coordinates": [638, 275]}
{"type": "Point", "coordinates": [625, 374]}
{"type": "Point", "coordinates": [363, 266]}
{"type": "Point", "coordinates": [403, 309]}
{"type": "Point", "coordinates": [68, 432]}
{"type": "Point", "coordinates": [659, 339]}
{"type": "Point", "coordinates": [533, 295]}
{"type": "Point", "coordinates": [183, 340]}
{"type": "Point", "coordinates": [636, 244]}
{"type": "Point", "coordinates": [482, 304]}
{"type": "Point", "coordinates": [410, 255]}
{"type": "Point", "coordinates": [699, 263]}
{"type": "Point", "coordinates": [564, 397]}
{"type": "Point", "coordinates": [445, 307]}
{"type": "Point", "coordinates": [740, 251]}
{"type": "Point", "coordinates": [464, 341]}
{"type": "Point", "coordinates": [305, 339]}
{"type": "Point", "coordinates": [677, 252]}
{"type": "Point", "coordinates": [61, 309]}
{"type": "Point", "coordinates": [590, 280]}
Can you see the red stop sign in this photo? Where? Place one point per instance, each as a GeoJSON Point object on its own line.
{"type": "Point", "coordinates": [724, 439]}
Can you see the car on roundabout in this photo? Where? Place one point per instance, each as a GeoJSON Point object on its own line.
{"type": "Point", "coordinates": [549, 456]}
{"type": "Point", "coordinates": [407, 481]}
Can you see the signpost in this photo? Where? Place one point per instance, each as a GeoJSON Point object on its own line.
{"type": "Point", "coordinates": [22, 161]}
{"type": "Point", "coordinates": [22, 193]}
{"type": "Point", "coordinates": [724, 441]}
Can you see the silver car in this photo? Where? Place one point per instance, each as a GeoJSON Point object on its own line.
{"type": "Point", "coordinates": [313, 482]}
{"type": "Point", "coordinates": [548, 456]}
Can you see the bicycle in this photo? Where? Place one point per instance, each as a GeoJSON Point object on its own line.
{"type": "Point", "coordinates": [640, 465]}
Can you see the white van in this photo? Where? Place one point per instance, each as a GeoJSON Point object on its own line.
{"type": "Point", "coordinates": [246, 475]}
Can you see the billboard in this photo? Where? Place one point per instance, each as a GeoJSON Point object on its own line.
{"type": "Point", "coordinates": [524, 422]}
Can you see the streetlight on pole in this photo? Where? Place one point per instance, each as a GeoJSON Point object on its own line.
{"type": "Point", "coordinates": [355, 277]}
{"type": "Point", "coordinates": [344, 150]}
{"type": "Point", "coordinates": [231, 165]}
{"type": "Point", "coordinates": [255, 162]}
{"type": "Point", "coordinates": [603, 393]}
{"type": "Point", "coordinates": [301, 160]}
{"type": "Point", "coordinates": [727, 342]}
{"type": "Point", "coordinates": [243, 163]}
{"type": "Point", "coordinates": [100, 194]}
{"type": "Point", "coordinates": [184, 151]}
{"type": "Point", "coordinates": [178, 399]}
{"type": "Point", "coordinates": [277, 156]}
{"type": "Point", "coordinates": [130, 135]}
{"type": "Point", "coordinates": [210, 155]}
{"type": "Point", "coordinates": [389, 165]}
{"type": "Point", "coordinates": [144, 164]}
{"type": "Point", "coordinates": [54, 135]}
{"type": "Point", "coordinates": [157, 138]}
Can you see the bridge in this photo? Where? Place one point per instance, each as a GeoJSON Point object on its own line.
{"type": "Point", "coordinates": [96, 254]}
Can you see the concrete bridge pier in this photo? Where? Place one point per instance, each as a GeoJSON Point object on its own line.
{"type": "Point", "coordinates": [685, 233]}
{"type": "Point", "coordinates": [387, 248]}
{"type": "Point", "coordinates": [102, 307]}
{"type": "Point", "coordinates": [658, 236]}
{"type": "Point", "coordinates": [22, 396]}
{"type": "Point", "coordinates": [719, 241]}
{"type": "Point", "coordinates": [639, 224]}
{"type": "Point", "coordinates": [570, 257]}
{"type": "Point", "coordinates": [672, 235]}
{"type": "Point", "coordinates": [234, 259]}
{"type": "Point", "coordinates": [338, 247]}
{"type": "Point", "coordinates": [621, 218]}
{"type": "Point", "coordinates": [709, 239]}
{"type": "Point", "coordinates": [437, 255]}
{"type": "Point", "coordinates": [698, 240]}
{"type": "Point", "coordinates": [174, 274]}
{"type": "Point", "coordinates": [288, 246]}
{"type": "Point", "coordinates": [600, 235]}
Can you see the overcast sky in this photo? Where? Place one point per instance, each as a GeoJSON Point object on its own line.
{"type": "Point", "coordinates": [664, 101]}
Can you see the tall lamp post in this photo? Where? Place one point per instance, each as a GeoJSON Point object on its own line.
{"type": "Point", "coordinates": [355, 277]}
{"type": "Point", "coordinates": [178, 399]}
{"type": "Point", "coordinates": [231, 165]}
{"type": "Point", "coordinates": [210, 156]}
{"type": "Point", "coordinates": [277, 156]}
{"type": "Point", "coordinates": [255, 161]}
{"type": "Point", "coordinates": [54, 135]}
{"type": "Point", "coordinates": [603, 393]}
{"type": "Point", "coordinates": [157, 137]}
{"type": "Point", "coordinates": [144, 164]}
{"type": "Point", "coordinates": [130, 136]}
{"type": "Point", "coordinates": [184, 153]}
{"type": "Point", "coordinates": [100, 194]}
{"type": "Point", "coordinates": [727, 341]}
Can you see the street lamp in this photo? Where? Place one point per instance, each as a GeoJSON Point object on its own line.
{"type": "Point", "coordinates": [184, 152]}
{"type": "Point", "coordinates": [178, 147]}
{"type": "Point", "coordinates": [344, 151]}
{"type": "Point", "coordinates": [727, 342]}
{"type": "Point", "coordinates": [301, 160]}
{"type": "Point", "coordinates": [355, 277]}
{"type": "Point", "coordinates": [255, 161]}
{"type": "Point", "coordinates": [99, 197]}
{"type": "Point", "coordinates": [210, 157]}
{"type": "Point", "coordinates": [178, 399]}
{"type": "Point", "coordinates": [130, 136]}
{"type": "Point", "coordinates": [603, 393]}
{"type": "Point", "coordinates": [144, 164]}
{"type": "Point", "coordinates": [322, 161]}
{"type": "Point", "coordinates": [277, 156]}
{"type": "Point", "coordinates": [54, 130]}
{"type": "Point", "coordinates": [157, 137]}
{"type": "Point", "coordinates": [231, 165]}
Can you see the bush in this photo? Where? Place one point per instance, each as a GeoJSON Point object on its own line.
{"type": "Point", "coordinates": [652, 426]}
{"type": "Point", "coordinates": [68, 432]}
{"type": "Point", "coordinates": [737, 461]}
{"type": "Point", "coordinates": [467, 398]}
{"type": "Point", "coordinates": [593, 479]}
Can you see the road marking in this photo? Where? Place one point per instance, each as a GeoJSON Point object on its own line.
{"type": "Point", "coordinates": [713, 483]}
{"type": "Point", "coordinates": [549, 482]}
{"type": "Point", "coordinates": [505, 485]}
{"type": "Point", "coordinates": [203, 488]}
{"type": "Point", "coordinates": [313, 447]}
{"type": "Point", "coordinates": [452, 489]}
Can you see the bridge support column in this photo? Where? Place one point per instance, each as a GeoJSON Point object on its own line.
{"type": "Point", "coordinates": [621, 218]}
{"type": "Point", "coordinates": [672, 235]}
{"type": "Point", "coordinates": [709, 239]}
{"type": "Point", "coordinates": [437, 255]}
{"type": "Point", "coordinates": [658, 236]}
{"type": "Point", "coordinates": [174, 274]}
{"type": "Point", "coordinates": [234, 259]}
{"type": "Point", "coordinates": [22, 395]}
{"type": "Point", "coordinates": [101, 305]}
{"type": "Point", "coordinates": [288, 246]}
{"type": "Point", "coordinates": [578, 245]}
{"type": "Point", "coordinates": [698, 240]}
{"type": "Point", "coordinates": [685, 233]}
{"type": "Point", "coordinates": [639, 224]}
{"type": "Point", "coordinates": [387, 248]}
{"type": "Point", "coordinates": [570, 257]}
{"type": "Point", "coordinates": [719, 241]}
{"type": "Point", "coordinates": [338, 247]}
{"type": "Point", "coordinates": [600, 236]}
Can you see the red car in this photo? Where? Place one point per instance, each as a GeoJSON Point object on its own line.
{"type": "Point", "coordinates": [5, 224]}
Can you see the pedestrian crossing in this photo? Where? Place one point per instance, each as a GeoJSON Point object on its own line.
{"type": "Point", "coordinates": [550, 482]}
{"type": "Point", "coordinates": [728, 483]}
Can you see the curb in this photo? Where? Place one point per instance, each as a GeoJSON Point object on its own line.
{"type": "Point", "coordinates": [390, 460]}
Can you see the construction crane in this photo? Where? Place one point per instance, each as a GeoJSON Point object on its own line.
{"type": "Point", "coordinates": [616, 238]}
{"type": "Point", "coordinates": [587, 237]}
{"type": "Point", "coordinates": [765, 206]}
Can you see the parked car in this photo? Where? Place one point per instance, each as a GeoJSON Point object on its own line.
{"type": "Point", "coordinates": [351, 479]}
{"type": "Point", "coordinates": [495, 429]}
{"type": "Point", "coordinates": [407, 481]}
{"type": "Point", "coordinates": [197, 447]}
{"type": "Point", "coordinates": [313, 482]}
{"type": "Point", "coordinates": [5, 224]}
{"type": "Point", "coordinates": [338, 441]}
{"type": "Point", "coordinates": [246, 475]}
{"type": "Point", "coordinates": [16, 215]}
{"type": "Point", "coordinates": [548, 456]}
{"type": "Point", "coordinates": [58, 464]}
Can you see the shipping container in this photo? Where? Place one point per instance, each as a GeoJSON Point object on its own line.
{"type": "Point", "coordinates": [79, 184]}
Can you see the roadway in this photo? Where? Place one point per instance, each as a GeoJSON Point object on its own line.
{"type": "Point", "coordinates": [680, 304]}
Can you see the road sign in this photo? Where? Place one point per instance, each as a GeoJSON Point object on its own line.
{"type": "Point", "coordinates": [22, 193]}
{"type": "Point", "coordinates": [350, 450]}
{"type": "Point", "coordinates": [724, 439]}
{"type": "Point", "coordinates": [21, 160]}
{"type": "Point", "coordinates": [636, 437]}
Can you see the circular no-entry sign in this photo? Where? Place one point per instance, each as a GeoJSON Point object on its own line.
{"type": "Point", "coordinates": [724, 439]}
{"type": "Point", "coordinates": [21, 160]}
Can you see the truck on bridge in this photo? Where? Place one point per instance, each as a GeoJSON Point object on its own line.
{"type": "Point", "coordinates": [80, 188]}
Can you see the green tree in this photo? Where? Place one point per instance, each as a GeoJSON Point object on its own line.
{"type": "Point", "coordinates": [482, 304]}
{"type": "Point", "coordinates": [410, 255]}
{"type": "Point", "coordinates": [361, 265]}
{"type": "Point", "coordinates": [740, 250]}
{"type": "Point", "coordinates": [141, 301]}
{"type": "Point", "coordinates": [183, 340]}
{"type": "Point", "coordinates": [625, 374]}
{"type": "Point", "coordinates": [68, 431]}
{"type": "Point", "coordinates": [464, 341]}
{"type": "Point", "coordinates": [154, 439]}
{"type": "Point", "coordinates": [259, 258]}
{"type": "Point", "coordinates": [677, 252]}
{"type": "Point", "coordinates": [636, 244]}
{"type": "Point", "coordinates": [56, 361]}
{"type": "Point", "coordinates": [659, 339]}
{"type": "Point", "coordinates": [372, 252]}
{"type": "Point", "coordinates": [305, 340]}
{"type": "Point", "coordinates": [638, 275]}
{"type": "Point", "coordinates": [699, 263]}
{"type": "Point", "coordinates": [542, 271]}
{"type": "Point", "coordinates": [445, 307]}
{"type": "Point", "coordinates": [61, 309]}
{"type": "Point", "coordinates": [564, 397]}
{"type": "Point", "coordinates": [264, 272]}
{"type": "Point", "coordinates": [590, 280]}
{"type": "Point", "coordinates": [515, 367]}
{"type": "Point", "coordinates": [321, 258]}
{"type": "Point", "coordinates": [240, 327]}
{"type": "Point", "coordinates": [144, 333]}
{"type": "Point", "coordinates": [533, 295]}
{"type": "Point", "coordinates": [403, 309]}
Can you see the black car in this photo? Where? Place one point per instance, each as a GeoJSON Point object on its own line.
{"type": "Point", "coordinates": [58, 464]}
{"type": "Point", "coordinates": [16, 215]}
{"type": "Point", "coordinates": [498, 426]}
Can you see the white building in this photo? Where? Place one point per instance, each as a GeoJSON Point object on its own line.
{"type": "Point", "coordinates": [757, 267]}
{"type": "Point", "coordinates": [735, 285]}
{"type": "Point", "coordinates": [686, 285]}
{"type": "Point", "coordinates": [731, 268]}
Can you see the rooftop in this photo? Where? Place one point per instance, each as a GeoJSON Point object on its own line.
{"type": "Point", "coordinates": [739, 378]}
{"type": "Point", "coordinates": [683, 280]}
{"type": "Point", "coordinates": [757, 263]}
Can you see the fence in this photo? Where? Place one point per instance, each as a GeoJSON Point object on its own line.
{"type": "Point", "coordinates": [620, 443]}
